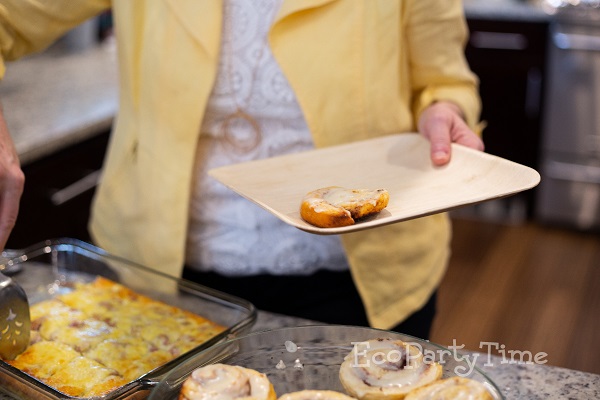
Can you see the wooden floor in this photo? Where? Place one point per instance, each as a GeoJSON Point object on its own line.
{"type": "Point", "coordinates": [525, 287]}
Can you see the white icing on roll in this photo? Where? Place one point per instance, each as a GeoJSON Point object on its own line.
{"type": "Point", "coordinates": [336, 206]}
{"type": "Point", "coordinates": [226, 382]}
{"type": "Point", "coordinates": [315, 395]}
{"type": "Point", "coordinates": [321, 205]}
{"type": "Point", "coordinates": [339, 196]}
{"type": "Point", "coordinates": [385, 367]}
{"type": "Point", "coordinates": [456, 388]}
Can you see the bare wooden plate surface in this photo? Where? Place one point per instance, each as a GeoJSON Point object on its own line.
{"type": "Point", "coordinates": [399, 163]}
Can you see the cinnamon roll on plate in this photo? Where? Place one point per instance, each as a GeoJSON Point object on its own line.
{"type": "Point", "coordinates": [334, 206]}
{"type": "Point", "coordinates": [227, 382]}
{"type": "Point", "coordinates": [386, 369]}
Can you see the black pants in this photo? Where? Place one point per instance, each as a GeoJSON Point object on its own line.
{"type": "Point", "coordinates": [325, 296]}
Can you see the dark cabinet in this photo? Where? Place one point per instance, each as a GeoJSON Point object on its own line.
{"type": "Point", "coordinates": [58, 193]}
{"type": "Point", "coordinates": [509, 58]}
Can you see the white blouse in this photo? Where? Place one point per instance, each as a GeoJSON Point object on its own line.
{"type": "Point", "coordinates": [252, 113]}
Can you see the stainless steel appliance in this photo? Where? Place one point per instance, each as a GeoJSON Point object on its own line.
{"type": "Point", "coordinates": [569, 193]}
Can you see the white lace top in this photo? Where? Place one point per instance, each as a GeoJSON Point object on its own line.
{"type": "Point", "coordinates": [227, 233]}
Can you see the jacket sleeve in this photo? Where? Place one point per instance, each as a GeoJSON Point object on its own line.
{"type": "Point", "coordinates": [27, 26]}
{"type": "Point", "coordinates": [436, 37]}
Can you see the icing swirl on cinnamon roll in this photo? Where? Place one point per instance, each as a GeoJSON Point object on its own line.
{"type": "Point", "coordinates": [386, 369]}
{"type": "Point", "coordinates": [457, 388]}
{"type": "Point", "coordinates": [316, 395]}
{"type": "Point", "coordinates": [226, 382]}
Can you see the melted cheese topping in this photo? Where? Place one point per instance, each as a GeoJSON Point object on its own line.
{"type": "Point", "coordinates": [103, 335]}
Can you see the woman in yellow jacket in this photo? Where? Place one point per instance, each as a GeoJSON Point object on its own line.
{"type": "Point", "coordinates": [205, 83]}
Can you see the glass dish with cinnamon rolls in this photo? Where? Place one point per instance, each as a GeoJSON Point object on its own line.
{"type": "Point", "coordinates": [326, 362]}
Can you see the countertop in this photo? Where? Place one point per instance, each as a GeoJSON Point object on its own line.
{"type": "Point", "coordinates": [58, 98]}
{"type": "Point", "coordinates": [516, 381]}
{"type": "Point", "coordinates": [508, 10]}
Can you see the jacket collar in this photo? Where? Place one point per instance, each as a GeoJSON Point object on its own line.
{"type": "Point", "coordinates": [290, 7]}
{"type": "Point", "coordinates": [202, 18]}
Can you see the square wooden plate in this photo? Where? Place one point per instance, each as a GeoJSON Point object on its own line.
{"type": "Point", "coordinates": [399, 163]}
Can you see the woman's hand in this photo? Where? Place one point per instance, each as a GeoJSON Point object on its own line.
{"type": "Point", "coordinates": [12, 181]}
{"type": "Point", "coordinates": [442, 124]}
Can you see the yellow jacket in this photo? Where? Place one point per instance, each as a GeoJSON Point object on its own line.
{"type": "Point", "coordinates": [359, 69]}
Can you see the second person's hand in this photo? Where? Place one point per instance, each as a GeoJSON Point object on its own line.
{"type": "Point", "coordinates": [12, 181]}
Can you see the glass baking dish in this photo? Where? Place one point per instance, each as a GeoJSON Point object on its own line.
{"type": "Point", "coordinates": [308, 358]}
{"type": "Point", "coordinates": [50, 267]}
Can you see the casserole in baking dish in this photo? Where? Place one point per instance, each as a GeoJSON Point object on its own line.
{"type": "Point", "coordinates": [106, 328]}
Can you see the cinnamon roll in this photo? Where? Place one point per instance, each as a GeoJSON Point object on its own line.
{"type": "Point", "coordinates": [334, 206]}
{"type": "Point", "coordinates": [226, 382]}
{"type": "Point", "coordinates": [386, 369]}
{"type": "Point", "coordinates": [316, 395]}
{"type": "Point", "coordinates": [451, 388]}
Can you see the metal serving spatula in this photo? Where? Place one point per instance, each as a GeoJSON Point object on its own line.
{"type": "Point", "coordinates": [15, 320]}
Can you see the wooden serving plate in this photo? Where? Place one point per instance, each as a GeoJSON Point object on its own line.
{"type": "Point", "coordinates": [399, 163]}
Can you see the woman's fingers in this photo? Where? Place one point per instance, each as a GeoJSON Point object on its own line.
{"type": "Point", "coordinates": [442, 124]}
